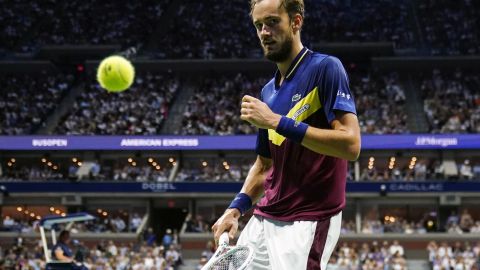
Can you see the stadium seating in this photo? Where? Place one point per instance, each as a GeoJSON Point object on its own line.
{"type": "Point", "coordinates": [27, 100]}
{"type": "Point", "coordinates": [452, 101]}
{"type": "Point", "coordinates": [139, 111]}
{"type": "Point", "coordinates": [449, 28]}
{"type": "Point", "coordinates": [31, 25]}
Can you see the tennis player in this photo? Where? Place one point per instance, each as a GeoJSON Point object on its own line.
{"type": "Point", "coordinates": [308, 129]}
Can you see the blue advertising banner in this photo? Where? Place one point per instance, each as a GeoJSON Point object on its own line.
{"type": "Point", "coordinates": [185, 187]}
{"type": "Point", "coordinates": [247, 142]}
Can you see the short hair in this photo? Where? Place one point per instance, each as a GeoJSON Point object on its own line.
{"type": "Point", "coordinates": [64, 235]}
{"type": "Point", "coordinates": [291, 6]}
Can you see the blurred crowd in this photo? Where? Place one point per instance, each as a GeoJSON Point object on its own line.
{"type": "Point", "coordinates": [26, 101]}
{"type": "Point", "coordinates": [465, 170]}
{"type": "Point", "coordinates": [191, 29]}
{"type": "Point", "coordinates": [450, 28]}
{"type": "Point", "coordinates": [352, 256]}
{"type": "Point", "coordinates": [104, 255]}
{"type": "Point", "coordinates": [218, 169]}
{"type": "Point", "coordinates": [112, 223]}
{"type": "Point", "coordinates": [462, 223]}
{"type": "Point", "coordinates": [29, 25]}
{"type": "Point", "coordinates": [368, 256]}
{"type": "Point", "coordinates": [358, 21]}
{"type": "Point", "coordinates": [380, 103]}
{"type": "Point", "coordinates": [234, 170]}
{"type": "Point", "coordinates": [452, 101]}
{"type": "Point", "coordinates": [453, 256]}
{"type": "Point", "coordinates": [117, 171]}
{"type": "Point", "coordinates": [214, 108]}
{"type": "Point", "coordinates": [139, 111]}
{"type": "Point", "coordinates": [221, 29]}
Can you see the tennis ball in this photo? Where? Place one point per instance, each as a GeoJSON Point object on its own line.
{"type": "Point", "coordinates": [115, 74]}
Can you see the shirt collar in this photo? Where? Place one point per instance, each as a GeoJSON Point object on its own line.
{"type": "Point", "coordinates": [294, 65]}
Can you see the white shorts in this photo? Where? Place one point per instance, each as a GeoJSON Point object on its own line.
{"type": "Point", "coordinates": [294, 245]}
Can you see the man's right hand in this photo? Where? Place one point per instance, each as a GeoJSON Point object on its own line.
{"type": "Point", "coordinates": [227, 222]}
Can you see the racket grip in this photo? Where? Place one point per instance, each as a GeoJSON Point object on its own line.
{"type": "Point", "coordinates": [224, 239]}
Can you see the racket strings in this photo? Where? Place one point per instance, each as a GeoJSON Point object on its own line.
{"type": "Point", "coordinates": [233, 260]}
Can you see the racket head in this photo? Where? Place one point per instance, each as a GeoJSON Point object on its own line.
{"type": "Point", "coordinates": [229, 257]}
{"type": "Point", "coordinates": [236, 258]}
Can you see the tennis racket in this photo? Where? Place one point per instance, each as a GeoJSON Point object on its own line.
{"type": "Point", "coordinates": [229, 257]}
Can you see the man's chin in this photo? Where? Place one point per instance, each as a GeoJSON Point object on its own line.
{"type": "Point", "coordinates": [274, 57]}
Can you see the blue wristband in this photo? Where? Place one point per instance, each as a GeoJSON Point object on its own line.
{"type": "Point", "coordinates": [242, 202]}
{"type": "Point", "coordinates": [292, 129]}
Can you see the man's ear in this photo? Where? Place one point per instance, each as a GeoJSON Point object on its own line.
{"type": "Point", "coordinates": [297, 22]}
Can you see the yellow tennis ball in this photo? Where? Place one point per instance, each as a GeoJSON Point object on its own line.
{"type": "Point", "coordinates": [115, 74]}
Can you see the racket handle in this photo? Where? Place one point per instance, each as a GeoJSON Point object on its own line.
{"type": "Point", "coordinates": [224, 239]}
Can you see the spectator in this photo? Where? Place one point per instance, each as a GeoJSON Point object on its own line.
{"type": "Point", "coordinates": [135, 222]}
{"type": "Point", "coordinates": [466, 221]}
{"type": "Point", "coordinates": [167, 239]}
{"type": "Point", "coordinates": [420, 171]}
{"type": "Point", "coordinates": [150, 237]}
{"type": "Point", "coordinates": [118, 224]}
{"type": "Point", "coordinates": [452, 219]}
{"type": "Point", "coordinates": [396, 248]}
{"type": "Point", "coordinates": [466, 172]}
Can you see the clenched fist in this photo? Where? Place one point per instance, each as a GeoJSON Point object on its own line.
{"type": "Point", "coordinates": [258, 113]}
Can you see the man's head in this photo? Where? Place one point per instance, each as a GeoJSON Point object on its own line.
{"type": "Point", "coordinates": [278, 24]}
{"type": "Point", "coordinates": [64, 237]}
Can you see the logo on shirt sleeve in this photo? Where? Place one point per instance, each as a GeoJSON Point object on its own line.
{"type": "Point", "coordinates": [343, 94]}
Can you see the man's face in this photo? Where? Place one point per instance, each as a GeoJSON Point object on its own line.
{"type": "Point", "coordinates": [274, 29]}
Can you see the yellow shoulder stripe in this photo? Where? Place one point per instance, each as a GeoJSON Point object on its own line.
{"type": "Point", "coordinates": [301, 111]}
